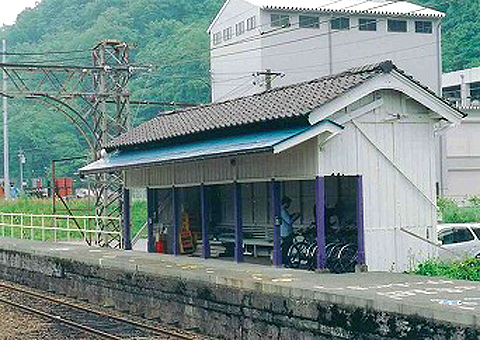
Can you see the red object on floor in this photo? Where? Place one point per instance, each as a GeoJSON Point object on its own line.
{"type": "Point", "coordinates": [160, 247]}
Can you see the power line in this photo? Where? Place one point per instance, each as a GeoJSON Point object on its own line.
{"type": "Point", "coordinates": [276, 29]}
{"type": "Point", "coordinates": [280, 30]}
{"type": "Point", "coordinates": [235, 89]}
{"type": "Point", "coordinates": [54, 60]}
{"type": "Point", "coordinates": [43, 53]}
{"type": "Point", "coordinates": [290, 41]}
{"type": "Point", "coordinates": [296, 52]}
{"type": "Point", "coordinates": [283, 31]}
{"type": "Point", "coordinates": [267, 23]}
{"type": "Point", "coordinates": [367, 56]}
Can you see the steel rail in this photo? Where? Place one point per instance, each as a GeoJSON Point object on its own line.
{"type": "Point", "coordinates": [162, 331]}
{"type": "Point", "coordinates": [60, 319]}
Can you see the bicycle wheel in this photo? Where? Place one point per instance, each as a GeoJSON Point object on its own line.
{"type": "Point", "coordinates": [328, 249]}
{"type": "Point", "coordinates": [332, 258]}
{"type": "Point", "coordinates": [312, 256]}
{"type": "Point", "coordinates": [347, 258]}
{"type": "Point", "coordinates": [297, 255]}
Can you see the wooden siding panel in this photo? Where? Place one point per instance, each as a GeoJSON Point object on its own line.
{"type": "Point", "coordinates": [190, 174]}
{"type": "Point", "coordinates": [255, 167]}
{"type": "Point", "coordinates": [217, 170]}
{"type": "Point", "coordinates": [297, 162]}
{"type": "Point", "coordinates": [160, 176]}
{"type": "Point", "coordinates": [136, 178]}
{"type": "Point", "coordinates": [391, 201]}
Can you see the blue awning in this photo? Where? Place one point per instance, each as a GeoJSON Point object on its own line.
{"type": "Point", "coordinates": [256, 142]}
{"type": "Point", "coordinates": [232, 145]}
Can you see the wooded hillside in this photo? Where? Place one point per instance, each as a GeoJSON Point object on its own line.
{"type": "Point", "coordinates": [169, 34]}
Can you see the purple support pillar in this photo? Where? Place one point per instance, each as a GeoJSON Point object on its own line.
{"type": "Point", "coordinates": [360, 222]}
{"type": "Point", "coordinates": [277, 221]}
{"type": "Point", "coordinates": [127, 232]}
{"type": "Point", "coordinates": [320, 218]}
{"type": "Point", "coordinates": [205, 241]}
{"type": "Point", "coordinates": [151, 207]}
{"type": "Point", "coordinates": [175, 222]}
{"type": "Point", "coordinates": [237, 206]}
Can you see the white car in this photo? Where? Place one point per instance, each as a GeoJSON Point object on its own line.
{"type": "Point", "coordinates": [459, 240]}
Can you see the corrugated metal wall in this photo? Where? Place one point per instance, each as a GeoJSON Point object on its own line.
{"type": "Point", "coordinates": [393, 148]}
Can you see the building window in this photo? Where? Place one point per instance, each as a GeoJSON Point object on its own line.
{"type": "Point", "coordinates": [240, 28]}
{"type": "Point", "coordinates": [475, 93]}
{"type": "Point", "coordinates": [306, 21]}
{"type": "Point", "coordinates": [342, 23]}
{"type": "Point", "coordinates": [251, 24]}
{"type": "Point", "coordinates": [280, 20]}
{"type": "Point", "coordinates": [397, 25]}
{"type": "Point", "coordinates": [452, 94]}
{"type": "Point", "coordinates": [423, 27]}
{"type": "Point", "coordinates": [227, 33]}
{"type": "Point", "coordinates": [367, 24]}
{"type": "Point", "coordinates": [217, 38]}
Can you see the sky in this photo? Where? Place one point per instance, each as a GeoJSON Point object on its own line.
{"type": "Point", "coordinates": [10, 9]}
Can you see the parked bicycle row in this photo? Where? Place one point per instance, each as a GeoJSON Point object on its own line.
{"type": "Point", "coordinates": [301, 253]}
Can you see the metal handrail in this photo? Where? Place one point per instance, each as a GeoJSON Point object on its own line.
{"type": "Point", "coordinates": [137, 236]}
{"type": "Point", "coordinates": [62, 216]}
{"type": "Point", "coordinates": [11, 224]}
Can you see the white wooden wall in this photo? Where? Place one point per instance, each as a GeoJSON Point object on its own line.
{"type": "Point", "coordinates": [397, 160]}
{"type": "Point", "coordinates": [393, 147]}
{"type": "Point", "coordinates": [297, 163]}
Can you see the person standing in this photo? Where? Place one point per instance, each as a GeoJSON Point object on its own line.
{"type": "Point", "coordinates": [286, 229]}
{"type": "Point", "coordinates": [13, 191]}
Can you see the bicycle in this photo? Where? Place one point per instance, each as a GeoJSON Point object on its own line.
{"type": "Point", "coordinates": [298, 254]}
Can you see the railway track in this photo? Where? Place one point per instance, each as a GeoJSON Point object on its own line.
{"type": "Point", "coordinates": [85, 318]}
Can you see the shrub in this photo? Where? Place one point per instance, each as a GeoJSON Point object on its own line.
{"type": "Point", "coordinates": [451, 212]}
{"type": "Point", "coordinates": [468, 269]}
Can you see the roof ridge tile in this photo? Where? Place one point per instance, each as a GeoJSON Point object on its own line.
{"type": "Point", "coordinates": [284, 102]}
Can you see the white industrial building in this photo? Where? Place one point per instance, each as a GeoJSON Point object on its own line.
{"type": "Point", "coordinates": [461, 157]}
{"type": "Point", "coordinates": [303, 39]}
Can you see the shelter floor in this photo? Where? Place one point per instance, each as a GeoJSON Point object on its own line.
{"type": "Point", "coordinates": [441, 299]}
{"type": "Point", "coordinates": [141, 246]}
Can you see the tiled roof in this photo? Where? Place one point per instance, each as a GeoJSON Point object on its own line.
{"type": "Point", "coordinates": [292, 101]}
{"type": "Point", "coordinates": [279, 103]}
{"type": "Point", "coordinates": [377, 7]}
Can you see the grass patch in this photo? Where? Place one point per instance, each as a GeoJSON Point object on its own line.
{"type": "Point", "coordinates": [79, 207]}
{"type": "Point", "coordinates": [44, 206]}
{"type": "Point", "coordinates": [452, 212]}
{"type": "Point", "coordinates": [468, 269]}
{"type": "Point", "coordinates": [138, 216]}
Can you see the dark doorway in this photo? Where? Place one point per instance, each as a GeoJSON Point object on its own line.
{"type": "Point", "coordinates": [341, 223]}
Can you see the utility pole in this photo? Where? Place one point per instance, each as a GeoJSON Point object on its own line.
{"type": "Point", "coordinates": [22, 161]}
{"type": "Point", "coordinates": [269, 77]}
{"type": "Point", "coordinates": [6, 173]}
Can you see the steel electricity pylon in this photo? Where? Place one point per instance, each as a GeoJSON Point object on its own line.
{"type": "Point", "coordinates": [96, 99]}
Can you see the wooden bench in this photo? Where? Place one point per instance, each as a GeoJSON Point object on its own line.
{"type": "Point", "coordinates": [257, 239]}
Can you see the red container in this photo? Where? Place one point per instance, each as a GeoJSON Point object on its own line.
{"type": "Point", "coordinates": [64, 186]}
{"type": "Point", "coordinates": [160, 247]}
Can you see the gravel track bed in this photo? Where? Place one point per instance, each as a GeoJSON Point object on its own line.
{"type": "Point", "coordinates": [19, 325]}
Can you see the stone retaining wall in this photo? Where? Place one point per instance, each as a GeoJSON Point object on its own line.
{"type": "Point", "coordinates": [215, 310]}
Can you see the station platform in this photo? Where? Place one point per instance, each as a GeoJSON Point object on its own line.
{"type": "Point", "coordinates": [433, 299]}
